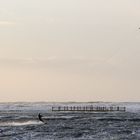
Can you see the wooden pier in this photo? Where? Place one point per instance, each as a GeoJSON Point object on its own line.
{"type": "Point", "coordinates": [89, 108]}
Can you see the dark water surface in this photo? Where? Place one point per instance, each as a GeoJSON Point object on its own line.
{"type": "Point", "coordinates": [18, 121]}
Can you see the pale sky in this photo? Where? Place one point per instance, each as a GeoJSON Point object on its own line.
{"type": "Point", "coordinates": [69, 50]}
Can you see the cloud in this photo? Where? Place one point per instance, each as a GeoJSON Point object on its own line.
{"type": "Point", "coordinates": [75, 64]}
{"type": "Point", "coordinates": [49, 60]}
{"type": "Point", "coordinates": [52, 58]}
{"type": "Point", "coordinates": [14, 61]}
{"type": "Point", "coordinates": [7, 23]}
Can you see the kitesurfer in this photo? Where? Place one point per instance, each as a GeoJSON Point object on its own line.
{"type": "Point", "coordinates": [40, 117]}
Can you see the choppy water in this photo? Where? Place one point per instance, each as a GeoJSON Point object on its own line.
{"type": "Point", "coordinates": [19, 121]}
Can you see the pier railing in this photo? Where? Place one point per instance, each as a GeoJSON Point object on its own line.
{"type": "Point", "coordinates": [88, 108]}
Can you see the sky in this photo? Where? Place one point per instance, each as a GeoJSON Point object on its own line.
{"type": "Point", "coordinates": [69, 50]}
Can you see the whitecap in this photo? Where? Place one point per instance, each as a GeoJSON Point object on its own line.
{"type": "Point", "coordinates": [20, 123]}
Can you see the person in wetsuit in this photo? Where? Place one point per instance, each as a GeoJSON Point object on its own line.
{"type": "Point", "coordinates": [40, 117]}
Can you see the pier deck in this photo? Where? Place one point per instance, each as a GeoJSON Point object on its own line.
{"type": "Point", "coordinates": [89, 108]}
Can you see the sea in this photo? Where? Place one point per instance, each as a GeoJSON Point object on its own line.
{"type": "Point", "coordinates": [19, 121]}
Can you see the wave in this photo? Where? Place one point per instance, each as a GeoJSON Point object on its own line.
{"type": "Point", "coordinates": [61, 118]}
{"type": "Point", "coordinates": [119, 119]}
{"type": "Point", "coordinates": [110, 119]}
{"type": "Point", "coordinates": [18, 123]}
